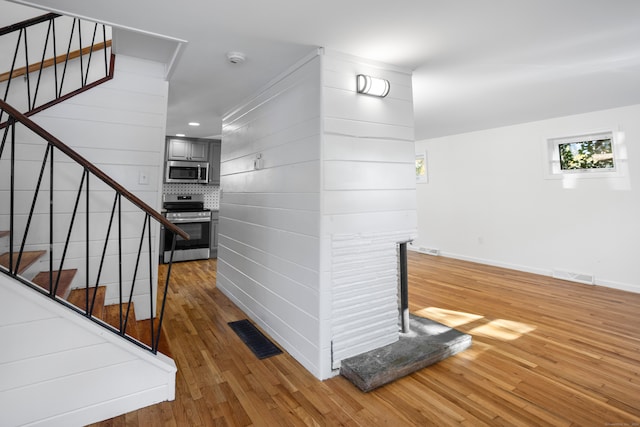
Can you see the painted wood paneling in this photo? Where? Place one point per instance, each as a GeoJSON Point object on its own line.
{"type": "Point", "coordinates": [274, 284]}
{"type": "Point", "coordinates": [75, 370]}
{"type": "Point", "coordinates": [346, 104]}
{"type": "Point", "coordinates": [299, 346]}
{"type": "Point", "coordinates": [290, 220]}
{"type": "Point", "coordinates": [298, 201]}
{"type": "Point", "coordinates": [270, 139]}
{"type": "Point", "coordinates": [99, 114]}
{"type": "Point", "coordinates": [268, 256]}
{"type": "Point", "coordinates": [308, 165]}
{"type": "Point", "coordinates": [380, 222]}
{"type": "Point", "coordinates": [297, 248]}
{"type": "Point", "coordinates": [298, 151]}
{"type": "Point", "coordinates": [368, 203]}
{"type": "Point", "coordinates": [67, 363]}
{"type": "Point", "coordinates": [295, 178]}
{"type": "Point", "coordinates": [271, 260]}
{"type": "Point", "coordinates": [351, 202]}
{"type": "Point", "coordinates": [364, 277]}
{"type": "Point", "coordinates": [266, 294]}
{"type": "Point", "coordinates": [15, 311]}
{"type": "Point", "coordinates": [345, 127]}
{"type": "Point", "coordinates": [349, 175]}
{"type": "Point", "coordinates": [344, 147]}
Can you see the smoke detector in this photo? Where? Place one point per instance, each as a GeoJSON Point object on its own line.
{"type": "Point", "coordinates": [236, 57]}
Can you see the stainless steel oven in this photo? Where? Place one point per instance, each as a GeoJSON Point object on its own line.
{"type": "Point", "coordinates": [188, 213]}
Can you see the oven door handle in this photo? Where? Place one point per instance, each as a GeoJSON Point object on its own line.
{"type": "Point", "coordinates": [184, 220]}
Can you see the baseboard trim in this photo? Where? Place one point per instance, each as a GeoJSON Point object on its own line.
{"type": "Point", "coordinates": [628, 287]}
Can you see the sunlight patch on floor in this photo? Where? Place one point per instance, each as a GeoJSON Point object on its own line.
{"type": "Point", "coordinates": [501, 329]}
{"type": "Point", "coordinates": [450, 318]}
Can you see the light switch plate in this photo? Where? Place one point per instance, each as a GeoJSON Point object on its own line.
{"type": "Point", "coordinates": [143, 178]}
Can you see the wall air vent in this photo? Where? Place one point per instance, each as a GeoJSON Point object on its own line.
{"type": "Point", "coordinates": [587, 279]}
{"type": "Point", "coordinates": [429, 251]}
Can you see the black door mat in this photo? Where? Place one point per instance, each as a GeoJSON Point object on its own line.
{"type": "Point", "coordinates": [259, 344]}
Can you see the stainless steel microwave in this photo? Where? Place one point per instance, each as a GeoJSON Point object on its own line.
{"type": "Point", "coordinates": [187, 172]}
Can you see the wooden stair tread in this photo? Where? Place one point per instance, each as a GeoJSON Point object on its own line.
{"type": "Point", "coordinates": [28, 258]}
{"type": "Point", "coordinates": [64, 286]}
{"type": "Point", "coordinates": [144, 335]}
{"type": "Point", "coordinates": [77, 298]}
{"type": "Point", "coordinates": [4, 233]}
{"type": "Point", "coordinates": [112, 315]}
{"type": "Point", "coordinates": [138, 329]}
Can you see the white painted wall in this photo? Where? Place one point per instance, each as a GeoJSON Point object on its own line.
{"type": "Point", "coordinates": [308, 237]}
{"type": "Point", "coordinates": [119, 126]}
{"type": "Point", "coordinates": [58, 368]}
{"type": "Point", "coordinates": [487, 200]}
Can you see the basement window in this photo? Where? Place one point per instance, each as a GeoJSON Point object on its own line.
{"type": "Point", "coordinates": [582, 155]}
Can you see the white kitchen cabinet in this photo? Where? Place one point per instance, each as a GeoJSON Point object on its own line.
{"type": "Point", "coordinates": [187, 149]}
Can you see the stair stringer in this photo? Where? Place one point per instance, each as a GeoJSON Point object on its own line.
{"type": "Point", "coordinates": [58, 368]}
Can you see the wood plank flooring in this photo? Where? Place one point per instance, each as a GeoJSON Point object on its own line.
{"type": "Point", "coordinates": [545, 352]}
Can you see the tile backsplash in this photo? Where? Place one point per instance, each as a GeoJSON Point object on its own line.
{"type": "Point", "coordinates": [211, 192]}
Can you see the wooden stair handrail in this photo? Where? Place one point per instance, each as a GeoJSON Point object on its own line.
{"type": "Point", "coordinates": [18, 116]}
{"type": "Point", "coordinates": [52, 61]}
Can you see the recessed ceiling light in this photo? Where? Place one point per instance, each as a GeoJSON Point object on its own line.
{"type": "Point", "coordinates": [194, 124]}
{"type": "Point", "coordinates": [180, 134]}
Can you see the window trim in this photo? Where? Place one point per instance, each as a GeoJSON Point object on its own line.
{"type": "Point", "coordinates": [553, 168]}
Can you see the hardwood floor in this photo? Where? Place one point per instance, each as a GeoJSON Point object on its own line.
{"type": "Point", "coordinates": [545, 352]}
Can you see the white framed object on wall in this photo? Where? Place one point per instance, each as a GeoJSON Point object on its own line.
{"type": "Point", "coordinates": [422, 176]}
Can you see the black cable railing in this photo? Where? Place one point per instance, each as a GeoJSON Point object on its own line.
{"type": "Point", "coordinates": [52, 70]}
{"type": "Point", "coordinates": [49, 216]}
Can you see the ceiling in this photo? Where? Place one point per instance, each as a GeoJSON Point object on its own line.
{"type": "Point", "coordinates": [477, 64]}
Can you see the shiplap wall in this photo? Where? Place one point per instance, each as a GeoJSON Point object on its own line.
{"type": "Point", "coordinates": [308, 239]}
{"type": "Point", "coordinates": [368, 203]}
{"type": "Point", "coordinates": [57, 368]}
{"type": "Point", "coordinates": [119, 126]}
{"type": "Point", "coordinates": [268, 253]}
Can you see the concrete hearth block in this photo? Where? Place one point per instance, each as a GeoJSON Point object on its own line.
{"type": "Point", "coordinates": [428, 342]}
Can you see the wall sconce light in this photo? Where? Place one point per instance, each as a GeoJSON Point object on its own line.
{"type": "Point", "coordinates": [372, 85]}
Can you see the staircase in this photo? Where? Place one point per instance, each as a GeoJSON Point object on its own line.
{"type": "Point", "coordinates": [41, 279]}
{"type": "Point", "coordinates": [68, 246]}
{"type": "Point", "coordinates": [78, 297]}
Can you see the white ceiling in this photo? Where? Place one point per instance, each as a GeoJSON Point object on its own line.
{"type": "Point", "coordinates": [477, 64]}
